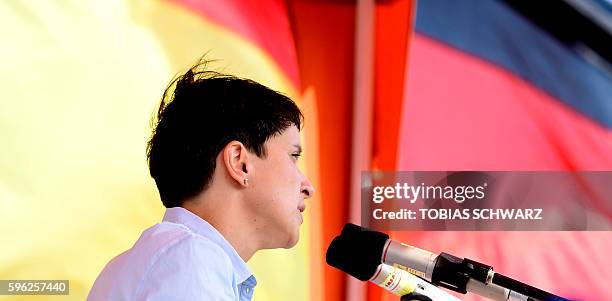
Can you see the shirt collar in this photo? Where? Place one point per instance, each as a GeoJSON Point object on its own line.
{"type": "Point", "coordinates": [180, 215]}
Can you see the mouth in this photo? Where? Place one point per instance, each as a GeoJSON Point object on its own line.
{"type": "Point", "coordinates": [300, 210]}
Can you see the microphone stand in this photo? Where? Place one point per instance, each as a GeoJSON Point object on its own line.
{"type": "Point", "coordinates": [458, 274]}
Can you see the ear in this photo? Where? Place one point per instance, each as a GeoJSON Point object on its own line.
{"type": "Point", "coordinates": [236, 160]}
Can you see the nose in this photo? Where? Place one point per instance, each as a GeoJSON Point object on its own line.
{"type": "Point", "coordinates": [307, 188]}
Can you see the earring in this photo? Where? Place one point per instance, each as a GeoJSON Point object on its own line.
{"type": "Point", "coordinates": [246, 181]}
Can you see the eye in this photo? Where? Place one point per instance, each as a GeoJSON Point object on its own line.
{"type": "Point", "coordinates": [296, 155]}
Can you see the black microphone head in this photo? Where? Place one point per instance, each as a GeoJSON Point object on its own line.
{"type": "Point", "coordinates": [341, 256]}
{"type": "Point", "coordinates": [362, 233]}
{"type": "Point", "coordinates": [357, 251]}
{"type": "Point", "coordinates": [351, 229]}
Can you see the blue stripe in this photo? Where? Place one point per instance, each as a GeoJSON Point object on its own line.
{"type": "Point", "coordinates": [494, 32]}
{"type": "Point", "coordinates": [605, 5]}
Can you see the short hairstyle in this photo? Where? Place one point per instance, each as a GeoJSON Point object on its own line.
{"type": "Point", "coordinates": [200, 113]}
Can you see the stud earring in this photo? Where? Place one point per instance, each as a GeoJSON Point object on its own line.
{"type": "Point", "coordinates": [246, 181]}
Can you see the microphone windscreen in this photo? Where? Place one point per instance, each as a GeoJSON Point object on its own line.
{"type": "Point", "coordinates": [365, 233]}
{"type": "Point", "coordinates": [370, 240]}
{"type": "Point", "coordinates": [342, 257]}
{"type": "Point", "coordinates": [351, 229]}
{"type": "Point", "coordinates": [357, 251]}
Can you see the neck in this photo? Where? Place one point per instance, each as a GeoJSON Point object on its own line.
{"type": "Point", "coordinates": [224, 213]}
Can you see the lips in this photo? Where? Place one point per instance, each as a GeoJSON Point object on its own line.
{"type": "Point", "coordinates": [301, 208]}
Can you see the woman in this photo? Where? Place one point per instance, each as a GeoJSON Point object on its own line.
{"type": "Point", "coordinates": [223, 155]}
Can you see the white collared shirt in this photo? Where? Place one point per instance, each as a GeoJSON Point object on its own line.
{"type": "Point", "coordinates": [181, 258]}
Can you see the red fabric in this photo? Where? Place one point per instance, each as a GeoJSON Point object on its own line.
{"type": "Point", "coordinates": [265, 22]}
{"type": "Point", "coordinates": [393, 27]}
{"type": "Point", "coordinates": [394, 21]}
{"type": "Point", "coordinates": [462, 113]}
{"type": "Point", "coordinates": [324, 33]}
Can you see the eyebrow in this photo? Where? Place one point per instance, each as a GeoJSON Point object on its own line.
{"type": "Point", "coordinates": [299, 148]}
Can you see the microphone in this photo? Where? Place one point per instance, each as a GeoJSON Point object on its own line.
{"type": "Point", "coordinates": [390, 278]}
{"type": "Point", "coordinates": [461, 275]}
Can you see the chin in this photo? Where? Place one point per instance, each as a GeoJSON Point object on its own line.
{"type": "Point", "coordinates": [293, 240]}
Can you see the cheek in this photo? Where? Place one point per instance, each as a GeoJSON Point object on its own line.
{"type": "Point", "coordinates": [277, 185]}
{"type": "Point", "coordinates": [281, 175]}
{"type": "Point", "coordinates": [289, 183]}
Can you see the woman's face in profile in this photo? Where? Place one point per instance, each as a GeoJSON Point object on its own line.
{"type": "Point", "coordinates": [278, 190]}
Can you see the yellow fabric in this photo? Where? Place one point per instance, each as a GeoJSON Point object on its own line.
{"type": "Point", "coordinates": [80, 82]}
